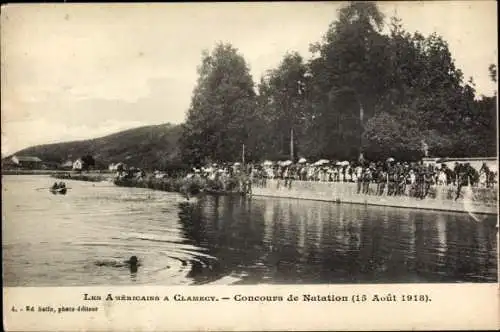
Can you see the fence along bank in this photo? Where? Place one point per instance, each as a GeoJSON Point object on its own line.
{"type": "Point", "coordinates": [472, 199]}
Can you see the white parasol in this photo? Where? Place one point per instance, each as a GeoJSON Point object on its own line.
{"type": "Point", "coordinates": [321, 162]}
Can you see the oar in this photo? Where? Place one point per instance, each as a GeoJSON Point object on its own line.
{"type": "Point", "coordinates": [52, 188]}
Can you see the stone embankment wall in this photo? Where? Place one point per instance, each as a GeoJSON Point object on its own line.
{"type": "Point", "coordinates": [472, 199]}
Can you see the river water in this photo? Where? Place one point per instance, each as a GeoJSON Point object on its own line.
{"type": "Point", "coordinates": [69, 240]}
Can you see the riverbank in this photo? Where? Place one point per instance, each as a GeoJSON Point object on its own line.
{"type": "Point", "coordinates": [50, 172]}
{"type": "Point", "coordinates": [90, 176]}
{"type": "Point", "coordinates": [472, 200]}
{"type": "Point", "coordinates": [29, 171]}
{"type": "Point", "coordinates": [183, 185]}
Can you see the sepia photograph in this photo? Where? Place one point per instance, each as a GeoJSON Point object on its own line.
{"type": "Point", "coordinates": [318, 143]}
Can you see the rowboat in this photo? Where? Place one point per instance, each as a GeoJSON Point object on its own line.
{"type": "Point", "coordinates": [61, 191]}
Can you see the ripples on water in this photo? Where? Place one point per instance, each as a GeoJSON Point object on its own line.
{"type": "Point", "coordinates": [58, 239]}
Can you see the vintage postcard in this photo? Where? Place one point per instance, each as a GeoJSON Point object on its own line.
{"type": "Point", "coordinates": [250, 166]}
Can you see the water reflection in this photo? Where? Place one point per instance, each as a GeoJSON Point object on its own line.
{"type": "Point", "coordinates": [291, 241]}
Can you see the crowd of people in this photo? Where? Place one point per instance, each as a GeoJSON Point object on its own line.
{"type": "Point", "coordinates": [390, 177]}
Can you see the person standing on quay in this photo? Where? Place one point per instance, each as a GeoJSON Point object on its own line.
{"type": "Point", "coordinates": [359, 176]}
{"type": "Point", "coordinates": [367, 178]}
{"type": "Point", "coordinates": [420, 181]}
{"type": "Point", "coordinates": [428, 175]}
{"type": "Point", "coordinates": [391, 186]}
{"type": "Point", "coordinates": [461, 176]}
{"type": "Point", "coordinates": [382, 180]}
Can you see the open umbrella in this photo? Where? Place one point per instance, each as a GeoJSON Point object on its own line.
{"type": "Point", "coordinates": [344, 163]}
{"type": "Point", "coordinates": [302, 160]}
{"type": "Point", "coordinates": [390, 159]}
{"type": "Point", "coordinates": [287, 163]}
{"type": "Point", "coordinates": [236, 164]}
{"type": "Point", "coordinates": [267, 163]}
{"type": "Point", "coordinates": [323, 162]}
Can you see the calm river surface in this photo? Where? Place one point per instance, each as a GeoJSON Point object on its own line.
{"type": "Point", "coordinates": [66, 240]}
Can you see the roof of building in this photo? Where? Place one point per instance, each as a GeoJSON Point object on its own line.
{"type": "Point", "coordinates": [27, 158]}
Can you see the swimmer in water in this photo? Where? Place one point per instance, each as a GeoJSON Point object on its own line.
{"type": "Point", "coordinates": [132, 263]}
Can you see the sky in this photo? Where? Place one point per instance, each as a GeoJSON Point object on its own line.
{"type": "Point", "coordinates": [72, 71]}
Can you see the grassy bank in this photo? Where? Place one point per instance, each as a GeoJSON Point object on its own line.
{"type": "Point", "coordinates": [90, 177]}
{"type": "Point", "coordinates": [183, 185]}
{"type": "Point", "coordinates": [29, 172]}
{"type": "Point", "coordinates": [47, 172]}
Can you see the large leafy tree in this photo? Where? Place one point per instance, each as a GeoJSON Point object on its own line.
{"type": "Point", "coordinates": [88, 162]}
{"type": "Point", "coordinates": [349, 74]}
{"type": "Point", "coordinates": [222, 110]}
{"type": "Point", "coordinates": [484, 121]}
{"type": "Point", "coordinates": [425, 83]}
{"type": "Point", "coordinates": [282, 106]}
{"type": "Point", "coordinates": [364, 91]}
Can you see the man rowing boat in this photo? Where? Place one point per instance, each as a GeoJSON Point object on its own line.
{"type": "Point", "coordinates": [60, 185]}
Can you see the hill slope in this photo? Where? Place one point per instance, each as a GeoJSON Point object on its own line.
{"type": "Point", "coordinates": [145, 147]}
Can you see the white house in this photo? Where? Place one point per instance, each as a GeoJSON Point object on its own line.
{"type": "Point", "coordinates": [78, 165]}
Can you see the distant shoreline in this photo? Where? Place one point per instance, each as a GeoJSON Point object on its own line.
{"type": "Point", "coordinates": [49, 172]}
{"type": "Point", "coordinates": [84, 176]}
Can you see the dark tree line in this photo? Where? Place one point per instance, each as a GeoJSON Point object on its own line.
{"type": "Point", "coordinates": [397, 94]}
